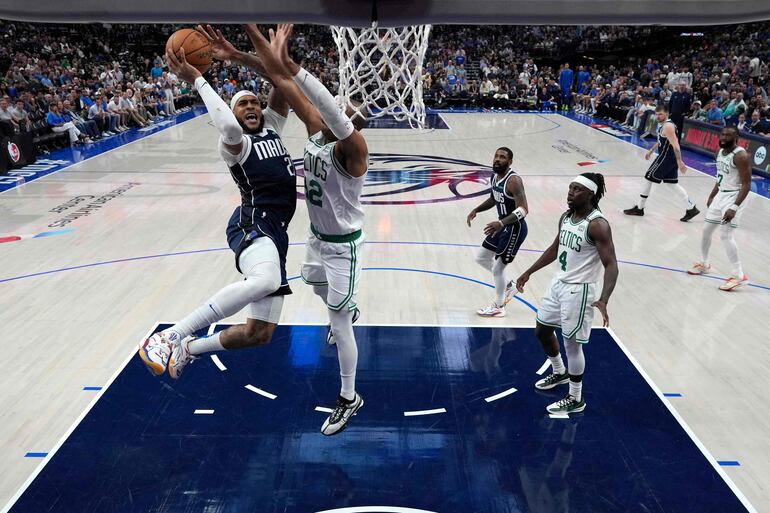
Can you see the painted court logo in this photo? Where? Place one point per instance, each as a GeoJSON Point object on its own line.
{"type": "Point", "coordinates": [13, 152]}
{"type": "Point", "coordinates": [393, 179]}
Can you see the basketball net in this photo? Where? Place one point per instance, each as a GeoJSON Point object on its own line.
{"type": "Point", "coordinates": [382, 69]}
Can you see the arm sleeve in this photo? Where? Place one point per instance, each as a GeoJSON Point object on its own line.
{"type": "Point", "coordinates": [337, 121]}
{"type": "Point", "coordinates": [220, 113]}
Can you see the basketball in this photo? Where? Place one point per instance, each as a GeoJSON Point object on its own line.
{"type": "Point", "coordinates": [197, 49]}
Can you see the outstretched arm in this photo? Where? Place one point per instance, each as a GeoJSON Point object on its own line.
{"type": "Point", "coordinates": [223, 118]}
{"type": "Point", "coordinates": [223, 50]}
{"type": "Point", "coordinates": [282, 80]}
{"type": "Point", "coordinates": [599, 231]}
{"type": "Point", "coordinates": [351, 150]}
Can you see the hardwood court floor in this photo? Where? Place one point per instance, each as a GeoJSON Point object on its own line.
{"type": "Point", "coordinates": [158, 237]}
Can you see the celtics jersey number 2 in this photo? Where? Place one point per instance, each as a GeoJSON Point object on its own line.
{"type": "Point", "coordinates": [577, 257]}
{"type": "Point", "coordinates": [331, 194]}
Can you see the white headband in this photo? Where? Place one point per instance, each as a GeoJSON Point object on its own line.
{"type": "Point", "coordinates": [586, 182]}
{"type": "Point", "coordinates": [238, 96]}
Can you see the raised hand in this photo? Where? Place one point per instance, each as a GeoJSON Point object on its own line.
{"type": "Point", "coordinates": [279, 41]}
{"type": "Point", "coordinates": [221, 48]}
{"type": "Point", "coordinates": [180, 67]}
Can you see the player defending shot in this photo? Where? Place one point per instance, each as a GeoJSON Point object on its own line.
{"type": "Point", "coordinates": [666, 166]}
{"type": "Point", "coordinates": [335, 161]}
{"type": "Point", "coordinates": [250, 144]}
{"type": "Point", "coordinates": [726, 204]}
{"type": "Point", "coordinates": [504, 236]}
{"type": "Point", "coordinates": [583, 245]}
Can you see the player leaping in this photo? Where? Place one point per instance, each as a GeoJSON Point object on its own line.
{"type": "Point", "coordinates": [336, 160]}
{"type": "Point", "coordinates": [250, 144]}
{"type": "Point", "coordinates": [583, 245]}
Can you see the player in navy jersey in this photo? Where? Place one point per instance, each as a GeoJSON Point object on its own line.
{"type": "Point", "coordinates": [666, 167]}
{"type": "Point", "coordinates": [504, 236]}
{"type": "Point", "coordinates": [251, 146]}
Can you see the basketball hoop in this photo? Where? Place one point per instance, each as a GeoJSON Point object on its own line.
{"type": "Point", "coordinates": [382, 68]}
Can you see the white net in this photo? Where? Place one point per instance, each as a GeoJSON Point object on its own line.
{"type": "Point", "coordinates": [382, 69]}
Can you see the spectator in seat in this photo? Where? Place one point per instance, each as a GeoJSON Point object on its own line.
{"type": "Point", "coordinates": [113, 107]}
{"type": "Point", "coordinates": [698, 112]}
{"type": "Point", "coordinates": [741, 125]}
{"type": "Point", "coordinates": [10, 126]}
{"type": "Point", "coordinates": [58, 124]}
{"type": "Point", "coordinates": [107, 124]}
{"type": "Point", "coordinates": [127, 105]}
{"type": "Point", "coordinates": [715, 114]}
{"type": "Point", "coordinates": [21, 117]}
{"type": "Point", "coordinates": [87, 126]}
{"type": "Point", "coordinates": [759, 123]}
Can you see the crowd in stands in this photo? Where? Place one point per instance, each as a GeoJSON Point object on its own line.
{"type": "Point", "coordinates": [94, 80]}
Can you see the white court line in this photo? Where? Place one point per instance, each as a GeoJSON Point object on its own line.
{"type": "Point", "coordinates": [218, 362]}
{"type": "Point", "coordinates": [211, 330]}
{"type": "Point", "coordinates": [260, 392]}
{"type": "Point", "coordinates": [378, 509]}
{"type": "Point", "coordinates": [204, 412]}
{"type": "Point", "coordinates": [500, 395]}
{"type": "Point", "coordinates": [719, 470]}
{"type": "Point", "coordinates": [73, 426]}
{"type": "Point", "coordinates": [424, 412]}
{"type": "Point", "coordinates": [323, 410]}
{"type": "Point", "coordinates": [544, 368]}
{"type": "Point", "coordinates": [555, 416]}
{"type": "Point", "coordinates": [75, 164]}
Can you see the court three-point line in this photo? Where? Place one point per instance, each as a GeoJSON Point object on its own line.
{"type": "Point", "coordinates": [261, 392]}
{"type": "Point", "coordinates": [424, 412]}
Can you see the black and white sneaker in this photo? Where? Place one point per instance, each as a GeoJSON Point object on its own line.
{"type": "Point", "coordinates": [330, 336]}
{"type": "Point", "coordinates": [689, 214]}
{"type": "Point", "coordinates": [566, 406]}
{"type": "Point", "coordinates": [338, 420]}
{"type": "Point", "coordinates": [552, 380]}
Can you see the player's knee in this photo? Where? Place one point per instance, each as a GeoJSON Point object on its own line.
{"type": "Point", "coordinates": [543, 332]}
{"type": "Point", "coordinates": [258, 334]}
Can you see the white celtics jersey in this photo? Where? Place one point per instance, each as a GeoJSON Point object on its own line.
{"type": "Point", "coordinates": [728, 178]}
{"type": "Point", "coordinates": [578, 257]}
{"type": "Point", "coordinates": [331, 194]}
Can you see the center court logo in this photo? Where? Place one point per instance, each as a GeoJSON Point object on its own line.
{"type": "Point", "coordinates": [394, 179]}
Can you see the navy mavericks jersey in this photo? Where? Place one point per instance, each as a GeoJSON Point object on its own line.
{"type": "Point", "coordinates": [265, 179]}
{"type": "Point", "coordinates": [264, 174]}
{"type": "Point", "coordinates": [665, 151]}
{"type": "Point", "coordinates": [505, 204]}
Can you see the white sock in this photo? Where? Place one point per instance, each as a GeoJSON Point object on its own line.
{"type": "Point", "coordinates": [683, 194]}
{"type": "Point", "coordinates": [206, 344]}
{"type": "Point", "coordinates": [705, 242]}
{"type": "Point", "coordinates": [576, 389]}
{"type": "Point", "coordinates": [347, 350]}
{"type": "Point", "coordinates": [498, 273]}
{"type": "Point", "coordinates": [731, 248]}
{"type": "Point", "coordinates": [644, 194]}
{"type": "Point", "coordinates": [557, 364]}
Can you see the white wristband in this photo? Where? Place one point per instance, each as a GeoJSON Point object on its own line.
{"type": "Point", "coordinates": [520, 213]}
{"type": "Point", "coordinates": [734, 207]}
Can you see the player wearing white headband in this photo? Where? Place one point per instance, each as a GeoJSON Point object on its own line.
{"type": "Point", "coordinates": [250, 144]}
{"type": "Point", "coordinates": [583, 245]}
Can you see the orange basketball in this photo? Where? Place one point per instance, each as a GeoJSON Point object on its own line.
{"type": "Point", "coordinates": [197, 49]}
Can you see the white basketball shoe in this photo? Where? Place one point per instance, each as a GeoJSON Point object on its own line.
{"type": "Point", "coordinates": [492, 311]}
{"type": "Point", "coordinates": [180, 357]}
{"type": "Point", "coordinates": [155, 352]}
